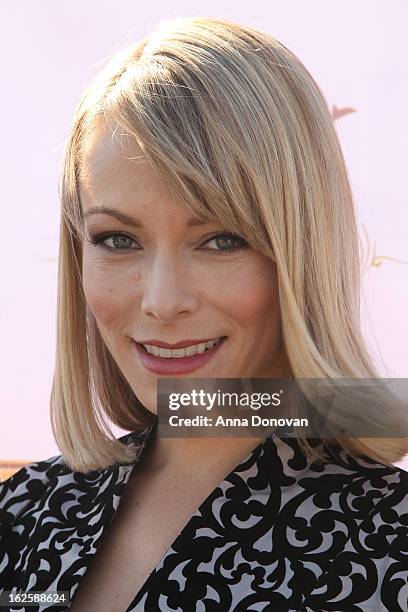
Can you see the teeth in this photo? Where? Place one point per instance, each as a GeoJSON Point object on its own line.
{"type": "Point", "coordinates": [180, 352]}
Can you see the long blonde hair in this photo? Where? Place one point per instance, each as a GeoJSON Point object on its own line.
{"type": "Point", "coordinates": [240, 131]}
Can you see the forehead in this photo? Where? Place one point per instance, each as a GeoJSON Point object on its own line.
{"type": "Point", "coordinates": [113, 162]}
{"type": "Point", "coordinates": [104, 150]}
{"type": "Point", "coordinates": [116, 174]}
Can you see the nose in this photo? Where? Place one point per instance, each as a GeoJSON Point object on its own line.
{"type": "Point", "coordinates": [168, 292]}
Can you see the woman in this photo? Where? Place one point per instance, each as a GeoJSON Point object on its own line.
{"type": "Point", "coordinates": [205, 198]}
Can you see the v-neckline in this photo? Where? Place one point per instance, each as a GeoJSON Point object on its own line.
{"type": "Point", "coordinates": [247, 462]}
{"type": "Point", "coordinates": [121, 475]}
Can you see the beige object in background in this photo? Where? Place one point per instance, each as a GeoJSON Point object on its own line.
{"type": "Point", "coordinates": [8, 468]}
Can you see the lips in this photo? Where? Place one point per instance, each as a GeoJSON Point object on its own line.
{"type": "Point", "coordinates": [181, 365]}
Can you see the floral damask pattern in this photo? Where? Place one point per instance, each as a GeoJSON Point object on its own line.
{"type": "Point", "coordinates": [279, 533]}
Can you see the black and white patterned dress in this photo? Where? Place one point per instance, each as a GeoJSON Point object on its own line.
{"type": "Point", "coordinates": [279, 533]}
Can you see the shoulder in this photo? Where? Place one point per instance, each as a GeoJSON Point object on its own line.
{"type": "Point", "coordinates": [382, 485]}
{"type": "Point", "coordinates": [367, 565]}
{"type": "Point", "coordinates": [29, 482]}
{"type": "Point", "coordinates": [51, 516]}
{"type": "Point", "coordinates": [368, 493]}
{"type": "Point", "coordinates": [31, 485]}
{"type": "Point", "coordinates": [343, 474]}
{"type": "Point", "coordinates": [344, 495]}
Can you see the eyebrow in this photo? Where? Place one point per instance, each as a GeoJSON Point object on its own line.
{"type": "Point", "coordinates": [129, 219]}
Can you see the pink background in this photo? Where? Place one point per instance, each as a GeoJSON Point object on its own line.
{"type": "Point", "coordinates": [49, 50]}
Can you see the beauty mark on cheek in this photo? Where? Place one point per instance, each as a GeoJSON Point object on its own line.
{"type": "Point", "coordinates": [136, 277]}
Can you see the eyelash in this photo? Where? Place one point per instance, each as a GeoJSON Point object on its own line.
{"type": "Point", "coordinates": [97, 240]}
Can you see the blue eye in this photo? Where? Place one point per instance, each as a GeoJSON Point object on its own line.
{"type": "Point", "coordinates": [222, 238]}
{"type": "Point", "coordinates": [121, 242]}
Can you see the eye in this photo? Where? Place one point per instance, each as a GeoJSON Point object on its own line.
{"type": "Point", "coordinates": [121, 242]}
{"type": "Point", "coordinates": [223, 239]}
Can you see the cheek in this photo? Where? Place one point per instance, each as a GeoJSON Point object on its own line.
{"type": "Point", "coordinates": [107, 294]}
{"type": "Point", "coordinates": [252, 292]}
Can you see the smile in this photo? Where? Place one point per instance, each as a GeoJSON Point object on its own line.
{"type": "Point", "coordinates": [187, 351]}
{"type": "Point", "coordinates": [178, 361]}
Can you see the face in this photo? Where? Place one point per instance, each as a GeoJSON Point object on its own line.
{"type": "Point", "coordinates": [162, 278]}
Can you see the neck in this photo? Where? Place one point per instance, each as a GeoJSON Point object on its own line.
{"type": "Point", "coordinates": [195, 455]}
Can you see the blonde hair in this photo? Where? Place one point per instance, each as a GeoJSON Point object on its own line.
{"type": "Point", "coordinates": [240, 131]}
